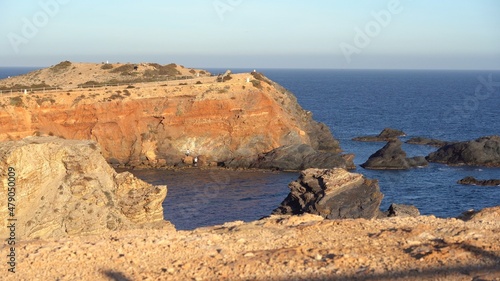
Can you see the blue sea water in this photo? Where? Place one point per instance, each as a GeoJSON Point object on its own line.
{"type": "Point", "coordinates": [447, 105]}
{"type": "Point", "coordinates": [5, 72]}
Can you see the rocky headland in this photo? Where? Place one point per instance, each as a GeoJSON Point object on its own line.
{"type": "Point", "coordinates": [153, 124]}
{"type": "Point", "coordinates": [484, 151]}
{"type": "Point", "coordinates": [393, 157]}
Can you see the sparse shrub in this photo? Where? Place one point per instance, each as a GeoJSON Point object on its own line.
{"type": "Point", "coordinates": [116, 96]}
{"type": "Point", "coordinates": [78, 99]}
{"type": "Point", "coordinates": [61, 66]}
{"type": "Point", "coordinates": [169, 69]}
{"type": "Point", "coordinates": [198, 82]}
{"type": "Point", "coordinates": [107, 66]}
{"type": "Point", "coordinates": [130, 86]}
{"type": "Point", "coordinates": [90, 83]}
{"type": "Point", "coordinates": [126, 93]}
{"type": "Point", "coordinates": [151, 73]}
{"type": "Point", "coordinates": [17, 101]}
{"type": "Point", "coordinates": [40, 101]}
{"type": "Point", "coordinates": [183, 84]}
{"type": "Point", "coordinates": [124, 69]}
{"type": "Point", "coordinates": [259, 76]}
{"type": "Point", "coordinates": [227, 78]}
{"type": "Point", "coordinates": [202, 72]}
{"type": "Point", "coordinates": [256, 84]}
{"type": "Point", "coordinates": [192, 71]}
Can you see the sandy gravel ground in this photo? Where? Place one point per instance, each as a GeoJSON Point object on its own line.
{"type": "Point", "coordinates": [277, 248]}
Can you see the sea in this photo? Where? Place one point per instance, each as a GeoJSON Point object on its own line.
{"type": "Point", "coordinates": [441, 104]}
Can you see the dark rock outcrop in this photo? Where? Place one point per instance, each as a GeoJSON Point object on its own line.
{"type": "Point", "coordinates": [484, 151]}
{"type": "Point", "coordinates": [427, 141]}
{"type": "Point", "coordinates": [393, 157]}
{"type": "Point", "coordinates": [296, 158]}
{"type": "Point", "coordinates": [399, 210]}
{"type": "Point", "coordinates": [332, 194]}
{"type": "Point", "coordinates": [387, 134]}
{"type": "Point", "coordinates": [474, 181]}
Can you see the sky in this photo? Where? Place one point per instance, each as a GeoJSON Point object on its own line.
{"type": "Point", "coordinates": [347, 34]}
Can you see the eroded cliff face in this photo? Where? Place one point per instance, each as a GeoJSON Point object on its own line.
{"type": "Point", "coordinates": [154, 124]}
{"type": "Point", "coordinates": [65, 187]}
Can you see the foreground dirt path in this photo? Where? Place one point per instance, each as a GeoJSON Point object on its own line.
{"type": "Point", "coordinates": [277, 248]}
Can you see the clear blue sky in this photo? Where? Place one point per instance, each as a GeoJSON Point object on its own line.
{"type": "Point", "coordinates": [423, 34]}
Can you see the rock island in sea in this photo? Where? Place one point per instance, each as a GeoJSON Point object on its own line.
{"type": "Point", "coordinates": [74, 209]}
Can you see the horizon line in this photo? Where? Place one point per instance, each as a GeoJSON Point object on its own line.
{"type": "Point", "coordinates": [290, 68]}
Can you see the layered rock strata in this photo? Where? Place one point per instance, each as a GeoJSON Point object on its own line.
{"type": "Point", "coordinates": [155, 124]}
{"type": "Point", "coordinates": [332, 194]}
{"type": "Point", "coordinates": [65, 187]}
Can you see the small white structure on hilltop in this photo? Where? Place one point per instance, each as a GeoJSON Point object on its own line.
{"type": "Point", "coordinates": [25, 91]}
{"type": "Point", "coordinates": [107, 62]}
{"type": "Point", "coordinates": [248, 79]}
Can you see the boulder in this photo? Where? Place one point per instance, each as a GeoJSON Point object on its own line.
{"type": "Point", "coordinates": [300, 157]}
{"type": "Point", "coordinates": [332, 194]}
{"type": "Point", "coordinates": [387, 134]}
{"type": "Point", "coordinates": [474, 181]}
{"type": "Point", "coordinates": [399, 210]}
{"type": "Point", "coordinates": [65, 187]}
{"type": "Point", "coordinates": [484, 151]}
{"type": "Point", "coordinates": [393, 157]}
{"type": "Point", "coordinates": [427, 141]}
{"type": "Point", "coordinates": [485, 214]}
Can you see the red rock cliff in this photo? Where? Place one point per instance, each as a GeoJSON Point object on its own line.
{"type": "Point", "coordinates": [157, 122]}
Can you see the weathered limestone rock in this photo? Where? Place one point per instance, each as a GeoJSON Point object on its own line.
{"type": "Point", "coordinates": [65, 187]}
{"type": "Point", "coordinates": [399, 210]}
{"type": "Point", "coordinates": [332, 194]}
{"type": "Point", "coordinates": [484, 151]}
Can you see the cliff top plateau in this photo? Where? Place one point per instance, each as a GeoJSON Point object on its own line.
{"type": "Point", "coordinates": [156, 123]}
